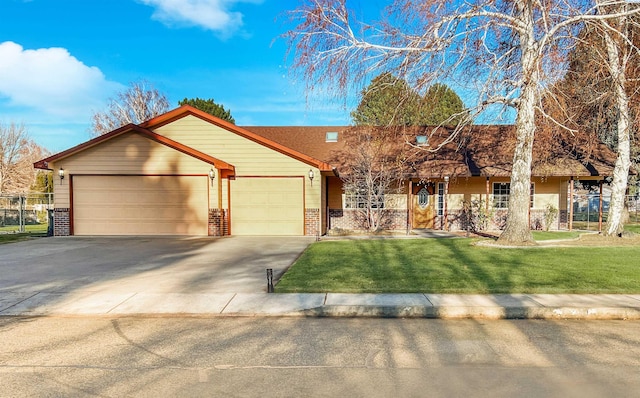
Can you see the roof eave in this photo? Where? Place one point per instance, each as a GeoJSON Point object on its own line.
{"type": "Point", "coordinates": [44, 163]}
{"type": "Point", "coordinates": [219, 164]}
{"type": "Point", "coordinates": [186, 110]}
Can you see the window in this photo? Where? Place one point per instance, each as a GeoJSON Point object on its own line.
{"type": "Point", "coordinates": [360, 200]}
{"type": "Point", "coordinates": [441, 198]}
{"type": "Point", "coordinates": [423, 198]}
{"type": "Point", "coordinates": [501, 192]}
{"type": "Point", "coordinates": [331, 136]}
{"type": "Point", "coordinates": [422, 140]}
{"type": "Point", "coordinates": [531, 195]}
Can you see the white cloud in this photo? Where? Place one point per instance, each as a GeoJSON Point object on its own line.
{"type": "Point", "coordinates": [214, 15]}
{"type": "Point", "coordinates": [52, 81]}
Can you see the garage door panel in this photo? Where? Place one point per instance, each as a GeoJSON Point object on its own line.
{"type": "Point", "coordinates": [267, 206]}
{"type": "Point", "coordinates": [140, 205]}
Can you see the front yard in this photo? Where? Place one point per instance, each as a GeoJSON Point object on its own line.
{"type": "Point", "coordinates": [458, 266]}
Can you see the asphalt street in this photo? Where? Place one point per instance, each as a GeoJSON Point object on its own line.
{"type": "Point", "coordinates": [316, 357]}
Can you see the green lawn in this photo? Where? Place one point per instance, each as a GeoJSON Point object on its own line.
{"type": "Point", "coordinates": [632, 228]}
{"type": "Point", "coordinates": [36, 228]}
{"type": "Point", "coordinates": [553, 235]}
{"type": "Point", "coordinates": [457, 266]}
{"type": "Point", "coordinates": [8, 238]}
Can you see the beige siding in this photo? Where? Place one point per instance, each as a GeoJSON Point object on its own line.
{"type": "Point", "coordinates": [466, 190]}
{"type": "Point", "coordinates": [61, 196]}
{"type": "Point", "coordinates": [225, 193]}
{"type": "Point", "coordinates": [133, 154]}
{"type": "Point", "coordinates": [248, 157]}
{"type": "Point", "coordinates": [546, 191]}
{"type": "Point", "coordinates": [323, 205]}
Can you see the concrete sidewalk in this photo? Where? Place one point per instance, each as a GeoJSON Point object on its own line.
{"type": "Point", "coordinates": [444, 306]}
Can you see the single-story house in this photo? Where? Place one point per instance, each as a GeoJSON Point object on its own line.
{"type": "Point", "coordinates": [189, 173]}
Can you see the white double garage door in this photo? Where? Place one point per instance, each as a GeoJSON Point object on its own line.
{"type": "Point", "coordinates": [178, 205]}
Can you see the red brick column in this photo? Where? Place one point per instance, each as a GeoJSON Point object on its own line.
{"type": "Point", "coordinates": [61, 222]}
{"type": "Point", "coordinates": [312, 222]}
{"type": "Point", "coordinates": [218, 222]}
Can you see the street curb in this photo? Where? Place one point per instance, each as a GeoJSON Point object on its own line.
{"type": "Point", "coordinates": [414, 305]}
{"type": "Point", "coordinates": [403, 312]}
{"type": "Point", "coordinates": [459, 312]}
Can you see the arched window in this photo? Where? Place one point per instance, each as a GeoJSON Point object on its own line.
{"type": "Point", "coordinates": [423, 198]}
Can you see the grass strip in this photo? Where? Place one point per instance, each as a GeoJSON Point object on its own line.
{"type": "Point", "coordinates": [553, 235]}
{"type": "Point", "coordinates": [458, 266]}
{"type": "Point", "coordinates": [9, 238]}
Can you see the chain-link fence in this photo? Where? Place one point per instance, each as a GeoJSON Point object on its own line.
{"type": "Point", "coordinates": [586, 214]}
{"type": "Point", "coordinates": [26, 213]}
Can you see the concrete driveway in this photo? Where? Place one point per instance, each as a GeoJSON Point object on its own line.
{"type": "Point", "coordinates": [146, 264]}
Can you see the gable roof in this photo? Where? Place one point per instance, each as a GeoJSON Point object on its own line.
{"type": "Point", "coordinates": [219, 164]}
{"type": "Point", "coordinates": [479, 150]}
{"type": "Point", "coordinates": [146, 128]}
{"type": "Point", "coordinates": [187, 110]}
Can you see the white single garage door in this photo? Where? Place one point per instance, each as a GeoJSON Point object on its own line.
{"type": "Point", "coordinates": [267, 206]}
{"type": "Point", "coordinates": [140, 205]}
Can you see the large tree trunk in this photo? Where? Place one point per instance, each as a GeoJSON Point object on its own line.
{"type": "Point", "coordinates": [517, 231]}
{"type": "Point", "coordinates": [615, 219]}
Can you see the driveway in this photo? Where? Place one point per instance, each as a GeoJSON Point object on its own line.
{"type": "Point", "coordinates": [144, 264]}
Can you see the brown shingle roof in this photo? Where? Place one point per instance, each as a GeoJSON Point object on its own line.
{"type": "Point", "coordinates": [310, 140]}
{"type": "Point", "coordinates": [478, 150]}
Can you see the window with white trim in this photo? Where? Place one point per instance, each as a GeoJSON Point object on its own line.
{"type": "Point", "coordinates": [501, 192]}
{"type": "Point", "coordinates": [360, 200]}
{"type": "Point", "coordinates": [441, 198]}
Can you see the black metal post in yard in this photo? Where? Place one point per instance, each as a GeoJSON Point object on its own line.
{"type": "Point", "coordinates": [21, 202]}
{"type": "Point", "coordinates": [269, 280]}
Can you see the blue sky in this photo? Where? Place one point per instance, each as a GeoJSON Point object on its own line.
{"type": "Point", "coordinates": [60, 60]}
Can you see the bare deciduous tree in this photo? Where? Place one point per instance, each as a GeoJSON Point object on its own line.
{"type": "Point", "coordinates": [139, 103]}
{"type": "Point", "coordinates": [619, 49]}
{"type": "Point", "coordinates": [371, 166]}
{"type": "Point", "coordinates": [599, 94]}
{"type": "Point", "coordinates": [17, 155]}
{"type": "Point", "coordinates": [510, 50]}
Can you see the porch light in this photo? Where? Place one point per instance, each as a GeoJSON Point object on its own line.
{"type": "Point", "coordinates": [311, 175]}
{"type": "Point", "coordinates": [61, 174]}
{"type": "Point", "coordinates": [212, 175]}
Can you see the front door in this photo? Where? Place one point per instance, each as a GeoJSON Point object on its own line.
{"type": "Point", "coordinates": [423, 208]}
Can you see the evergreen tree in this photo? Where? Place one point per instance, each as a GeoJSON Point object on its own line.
{"type": "Point", "coordinates": [209, 106]}
{"type": "Point", "coordinates": [441, 105]}
{"type": "Point", "coordinates": [389, 101]}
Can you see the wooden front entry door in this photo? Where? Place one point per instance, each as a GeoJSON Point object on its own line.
{"type": "Point", "coordinates": [424, 208]}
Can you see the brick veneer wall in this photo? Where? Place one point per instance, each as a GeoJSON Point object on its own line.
{"type": "Point", "coordinates": [218, 222]}
{"type": "Point", "coordinates": [458, 220]}
{"type": "Point", "coordinates": [61, 222]}
{"type": "Point", "coordinates": [349, 219]}
{"type": "Point", "coordinates": [312, 222]}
